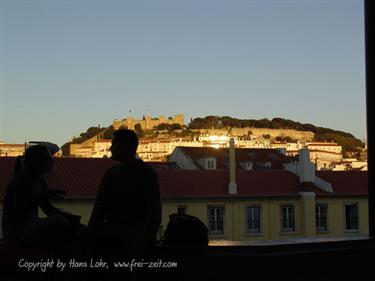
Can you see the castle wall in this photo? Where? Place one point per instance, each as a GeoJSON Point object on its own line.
{"type": "Point", "coordinates": [147, 123]}
{"type": "Point", "coordinates": [300, 135]}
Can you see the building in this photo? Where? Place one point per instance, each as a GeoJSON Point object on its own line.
{"type": "Point", "coordinates": [348, 164]}
{"type": "Point", "coordinates": [81, 149]}
{"type": "Point", "coordinates": [147, 122]}
{"type": "Point", "coordinates": [325, 155]}
{"type": "Point", "coordinates": [208, 158]}
{"type": "Point", "coordinates": [149, 149]}
{"type": "Point", "coordinates": [14, 150]}
{"type": "Point", "coordinates": [11, 150]}
{"type": "Point", "coordinates": [236, 204]}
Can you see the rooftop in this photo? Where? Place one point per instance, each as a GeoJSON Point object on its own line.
{"type": "Point", "coordinates": [242, 155]}
{"type": "Point", "coordinates": [80, 178]}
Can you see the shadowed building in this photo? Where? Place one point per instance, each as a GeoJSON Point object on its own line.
{"type": "Point", "coordinates": [235, 204]}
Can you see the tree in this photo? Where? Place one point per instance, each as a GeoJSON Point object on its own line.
{"type": "Point", "coordinates": [107, 134]}
{"type": "Point", "coordinates": [66, 149]}
{"type": "Point", "coordinates": [163, 126]}
{"type": "Point", "coordinates": [279, 139]}
{"type": "Point", "coordinates": [175, 126]}
{"type": "Point", "coordinates": [139, 131]}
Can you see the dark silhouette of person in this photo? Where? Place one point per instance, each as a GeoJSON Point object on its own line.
{"type": "Point", "coordinates": [26, 192]}
{"type": "Point", "coordinates": [127, 210]}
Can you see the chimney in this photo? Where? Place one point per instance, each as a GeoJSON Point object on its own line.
{"type": "Point", "coordinates": [305, 168]}
{"type": "Point", "coordinates": [232, 186]}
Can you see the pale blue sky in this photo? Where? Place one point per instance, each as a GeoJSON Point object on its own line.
{"type": "Point", "coordinates": [70, 65]}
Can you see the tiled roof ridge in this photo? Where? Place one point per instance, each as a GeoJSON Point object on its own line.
{"type": "Point", "coordinates": [80, 177]}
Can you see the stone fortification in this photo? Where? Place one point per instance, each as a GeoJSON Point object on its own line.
{"type": "Point", "coordinates": [148, 123]}
{"type": "Point", "coordinates": [259, 132]}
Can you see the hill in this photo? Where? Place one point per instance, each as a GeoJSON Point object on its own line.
{"type": "Point", "coordinates": [346, 140]}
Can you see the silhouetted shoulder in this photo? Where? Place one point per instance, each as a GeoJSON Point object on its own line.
{"type": "Point", "coordinates": [147, 167]}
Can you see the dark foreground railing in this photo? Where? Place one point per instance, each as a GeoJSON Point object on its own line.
{"type": "Point", "coordinates": [334, 260]}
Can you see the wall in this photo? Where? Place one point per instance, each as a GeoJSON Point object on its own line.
{"type": "Point", "coordinates": [90, 142]}
{"type": "Point", "coordinates": [336, 215]}
{"type": "Point", "coordinates": [147, 122]}
{"type": "Point", "coordinates": [300, 135]}
{"type": "Point", "coordinates": [235, 215]}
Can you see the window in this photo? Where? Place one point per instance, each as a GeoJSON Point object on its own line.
{"type": "Point", "coordinates": [351, 216]}
{"type": "Point", "coordinates": [210, 164]}
{"type": "Point", "coordinates": [181, 210]}
{"type": "Point", "coordinates": [321, 217]}
{"type": "Point", "coordinates": [253, 219]}
{"type": "Point", "coordinates": [215, 220]}
{"type": "Point", "coordinates": [249, 166]}
{"type": "Point", "coordinates": [287, 219]}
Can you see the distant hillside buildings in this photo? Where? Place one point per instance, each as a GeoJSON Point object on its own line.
{"type": "Point", "coordinates": [11, 150]}
{"type": "Point", "coordinates": [324, 155]}
{"type": "Point", "coordinates": [14, 150]}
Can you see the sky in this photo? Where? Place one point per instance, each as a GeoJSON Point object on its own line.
{"type": "Point", "coordinates": [66, 66]}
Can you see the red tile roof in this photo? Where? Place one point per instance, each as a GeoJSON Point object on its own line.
{"type": "Point", "coordinates": [346, 182]}
{"type": "Point", "coordinates": [254, 155]}
{"type": "Point", "coordinates": [80, 177]}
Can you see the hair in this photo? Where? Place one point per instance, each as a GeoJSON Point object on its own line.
{"type": "Point", "coordinates": [127, 138]}
{"type": "Point", "coordinates": [34, 155]}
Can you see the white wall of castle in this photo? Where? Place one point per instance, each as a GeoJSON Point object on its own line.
{"type": "Point", "coordinates": [259, 132]}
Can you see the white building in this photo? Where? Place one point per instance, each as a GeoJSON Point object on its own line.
{"type": "Point", "coordinates": [149, 149]}
{"type": "Point", "coordinates": [348, 164]}
{"type": "Point", "coordinates": [322, 154]}
{"type": "Point", "coordinates": [11, 150]}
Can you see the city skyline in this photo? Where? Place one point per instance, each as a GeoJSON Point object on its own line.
{"type": "Point", "coordinates": [67, 66]}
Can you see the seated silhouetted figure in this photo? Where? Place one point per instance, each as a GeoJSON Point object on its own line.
{"type": "Point", "coordinates": [28, 191]}
{"type": "Point", "coordinates": [127, 210]}
{"type": "Point", "coordinates": [185, 242]}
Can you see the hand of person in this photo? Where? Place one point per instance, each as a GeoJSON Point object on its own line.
{"type": "Point", "coordinates": [55, 194]}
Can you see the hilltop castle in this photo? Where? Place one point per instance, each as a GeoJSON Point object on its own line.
{"type": "Point", "coordinates": [147, 122]}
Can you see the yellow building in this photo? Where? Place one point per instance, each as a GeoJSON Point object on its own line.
{"type": "Point", "coordinates": [235, 205]}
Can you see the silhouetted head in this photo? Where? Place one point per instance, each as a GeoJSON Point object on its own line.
{"type": "Point", "coordinates": [124, 145]}
{"type": "Point", "coordinates": [18, 164]}
{"type": "Point", "coordinates": [38, 160]}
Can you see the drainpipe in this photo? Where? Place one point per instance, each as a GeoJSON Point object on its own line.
{"type": "Point", "coordinates": [232, 186]}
